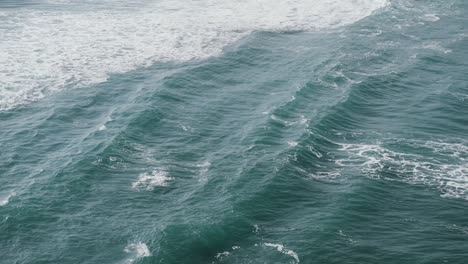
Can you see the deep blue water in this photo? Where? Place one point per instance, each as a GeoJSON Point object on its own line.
{"type": "Point", "coordinates": [259, 144]}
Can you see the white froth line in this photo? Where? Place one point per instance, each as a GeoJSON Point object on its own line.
{"type": "Point", "coordinates": [450, 179]}
{"type": "Point", "coordinates": [282, 249]}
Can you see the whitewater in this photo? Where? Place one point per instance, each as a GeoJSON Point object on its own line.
{"type": "Point", "coordinates": [52, 45]}
{"type": "Point", "coordinates": [251, 131]}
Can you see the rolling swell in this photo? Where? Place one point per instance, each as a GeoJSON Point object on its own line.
{"type": "Point", "coordinates": [300, 147]}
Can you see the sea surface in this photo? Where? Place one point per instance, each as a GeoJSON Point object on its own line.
{"type": "Point", "coordinates": [249, 131]}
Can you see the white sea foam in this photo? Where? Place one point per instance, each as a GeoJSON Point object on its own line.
{"type": "Point", "coordinates": [138, 250]}
{"type": "Point", "coordinates": [346, 237]}
{"type": "Point", "coordinates": [302, 121]}
{"type": "Point", "coordinates": [44, 50]}
{"type": "Point", "coordinates": [205, 164]}
{"type": "Point", "coordinates": [282, 249]}
{"type": "Point", "coordinates": [431, 17]}
{"type": "Point", "coordinates": [221, 255]}
{"type": "Point", "coordinates": [5, 200]}
{"type": "Point", "coordinates": [257, 229]}
{"type": "Point", "coordinates": [204, 168]}
{"type": "Point", "coordinates": [149, 181]}
{"type": "Point", "coordinates": [439, 164]}
{"type": "Point", "coordinates": [435, 46]}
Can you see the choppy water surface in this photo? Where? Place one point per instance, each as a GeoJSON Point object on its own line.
{"type": "Point", "coordinates": [233, 131]}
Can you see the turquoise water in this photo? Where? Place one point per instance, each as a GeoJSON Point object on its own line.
{"type": "Point", "coordinates": [331, 132]}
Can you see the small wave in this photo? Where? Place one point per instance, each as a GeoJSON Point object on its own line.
{"type": "Point", "coordinates": [103, 126]}
{"type": "Point", "coordinates": [4, 201]}
{"type": "Point", "coordinates": [302, 121]}
{"type": "Point", "coordinates": [431, 17]}
{"type": "Point", "coordinates": [346, 237]}
{"type": "Point", "coordinates": [282, 249]}
{"type": "Point", "coordinates": [138, 250]}
{"type": "Point", "coordinates": [314, 151]}
{"type": "Point", "coordinates": [205, 164]}
{"type": "Point", "coordinates": [204, 168]}
{"type": "Point", "coordinates": [435, 46]}
{"type": "Point", "coordinates": [149, 181]}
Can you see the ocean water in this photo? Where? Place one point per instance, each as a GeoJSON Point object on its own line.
{"type": "Point", "coordinates": [251, 131]}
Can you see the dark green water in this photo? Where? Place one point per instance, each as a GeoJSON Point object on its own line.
{"type": "Point", "coordinates": [339, 145]}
